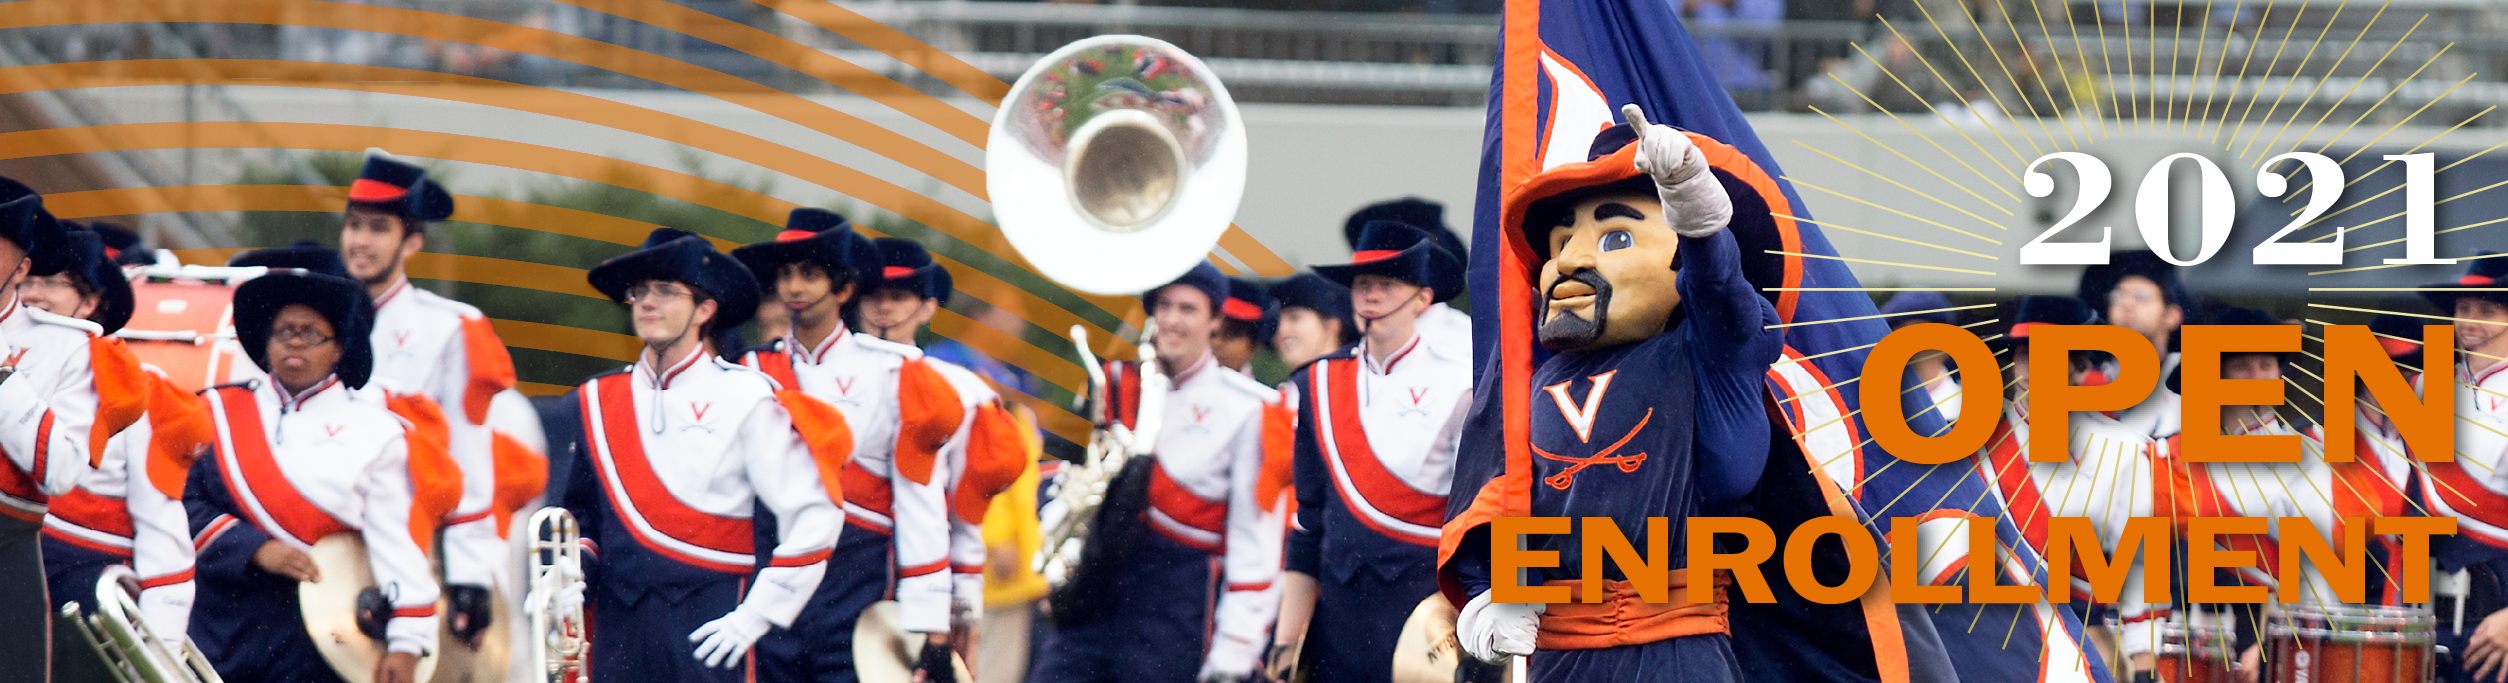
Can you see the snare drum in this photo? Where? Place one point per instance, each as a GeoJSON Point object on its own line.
{"type": "Point", "coordinates": [2350, 644]}
{"type": "Point", "coordinates": [2194, 653]}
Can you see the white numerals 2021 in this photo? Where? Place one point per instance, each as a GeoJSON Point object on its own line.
{"type": "Point", "coordinates": [2151, 204]}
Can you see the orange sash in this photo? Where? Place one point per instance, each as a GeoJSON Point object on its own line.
{"type": "Point", "coordinates": [1622, 618]}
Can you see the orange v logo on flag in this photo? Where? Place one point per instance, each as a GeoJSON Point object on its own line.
{"type": "Point", "coordinates": [1581, 416]}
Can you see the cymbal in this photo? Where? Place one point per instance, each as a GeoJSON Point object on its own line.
{"type": "Point", "coordinates": [330, 609]}
{"type": "Point", "coordinates": [1427, 651]}
{"type": "Point", "coordinates": [885, 652]}
{"type": "Point", "coordinates": [458, 662]}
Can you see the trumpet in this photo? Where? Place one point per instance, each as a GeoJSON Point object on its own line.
{"type": "Point", "coordinates": [130, 648]}
{"type": "Point", "coordinates": [558, 636]}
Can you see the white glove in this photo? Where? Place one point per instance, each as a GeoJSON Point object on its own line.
{"type": "Point", "coordinates": [1694, 202]}
{"type": "Point", "coordinates": [1230, 660]}
{"type": "Point", "coordinates": [569, 599]}
{"type": "Point", "coordinates": [1493, 631]}
{"type": "Point", "coordinates": [721, 642]}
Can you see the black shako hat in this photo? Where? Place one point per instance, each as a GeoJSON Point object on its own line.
{"type": "Point", "coordinates": [2237, 316]}
{"type": "Point", "coordinates": [810, 235]}
{"type": "Point", "coordinates": [2487, 270]}
{"type": "Point", "coordinates": [104, 276]}
{"type": "Point", "coordinates": [1313, 292]}
{"type": "Point", "coordinates": [340, 300]}
{"type": "Point", "coordinates": [2032, 311]}
{"type": "Point", "coordinates": [400, 188]}
{"type": "Point", "coordinates": [1203, 276]}
{"type": "Point", "coordinates": [1411, 211]}
{"type": "Point", "coordinates": [672, 255]}
{"type": "Point", "coordinates": [24, 222]}
{"type": "Point", "coordinates": [304, 254]}
{"type": "Point", "coordinates": [121, 244]}
{"type": "Point", "coordinates": [2400, 336]}
{"type": "Point", "coordinates": [905, 264]}
{"type": "Point", "coordinates": [1401, 252]}
{"type": "Point", "coordinates": [2098, 281]}
{"type": "Point", "coordinates": [1250, 302]}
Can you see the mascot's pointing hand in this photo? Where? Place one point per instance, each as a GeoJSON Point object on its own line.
{"type": "Point", "coordinates": [1693, 200]}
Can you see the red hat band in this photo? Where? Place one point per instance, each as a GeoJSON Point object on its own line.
{"type": "Point", "coordinates": [371, 190]}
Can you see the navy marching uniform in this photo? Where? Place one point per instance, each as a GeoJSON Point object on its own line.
{"type": "Point", "coordinates": [1198, 587]}
{"type": "Point", "coordinates": [902, 414]}
{"type": "Point", "coordinates": [673, 465]}
{"type": "Point", "coordinates": [295, 468]}
{"type": "Point", "coordinates": [1375, 460]}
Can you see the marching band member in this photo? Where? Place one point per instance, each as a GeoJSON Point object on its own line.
{"type": "Point", "coordinates": [305, 454]}
{"type": "Point", "coordinates": [2326, 493]}
{"type": "Point", "coordinates": [1441, 321]}
{"type": "Point", "coordinates": [1314, 319]}
{"type": "Point", "coordinates": [446, 350]}
{"type": "Point", "coordinates": [128, 510]}
{"type": "Point", "coordinates": [676, 453]}
{"type": "Point", "coordinates": [2136, 290]}
{"type": "Point", "coordinates": [2473, 488]}
{"type": "Point", "coordinates": [984, 460]}
{"type": "Point", "coordinates": [1932, 370]}
{"type": "Point", "coordinates": [56, 427]}
{"type": "Point", "coordinates": [1661, 347]}
{"type": "Point", "coordinates": [902, 414]}
{"type": "Point", "coordinates": [1245, 325]}
{"type": "Point", "coordinates": [1375, 459]}
{"type": "Point", "coordinates": [1195, 589]}
{"type": "Point", "coordinates": [895, 314]}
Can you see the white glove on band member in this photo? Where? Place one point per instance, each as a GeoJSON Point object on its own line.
{"type": "Point", "coordinates": [1694, 202]}
{"type": "Point", "coordinates": [1230, 659]}
{"type": "Point", "coordinates": [1493, 631]}
{"type": "Point", "coordinates": [722, 642]}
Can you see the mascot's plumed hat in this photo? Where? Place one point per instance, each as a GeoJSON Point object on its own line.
{"type": "Point", "coordinates": [340, 300]}
{"type": "Point", "coordinates": [1250, 302]}
{"type": "Point", "coordinates": [677, 256]}
{"type": "Point", "coordinates": [906, 265]}
{"type": "Point", "coordinates": [400, 188]}
{"type": "Point", "coordinates": [815, 236]}
{"type": "Point", "coordinates": [1402, 252]}
{"type": "Point", "coordinates": [2484, 276]}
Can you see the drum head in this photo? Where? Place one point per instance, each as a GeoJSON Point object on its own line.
{"type": "Point", "coordinates": [330, 607]}
{"type": "Point", "coordinates": [458, 662]}
{"type": "Point", "coordinates": [1427, 651]}
{"type": "Point", "coordinates": [885, 652]}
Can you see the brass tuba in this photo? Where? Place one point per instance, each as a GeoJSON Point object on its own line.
{"type": "Point", "coordinates": [558, 636]}
{"type": "Point", "coordinates": [1113, 149]}
{"type": "Point", "coordinates": [126, 642]}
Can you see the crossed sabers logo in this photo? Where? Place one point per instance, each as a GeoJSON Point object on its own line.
{"type": "Point", "coordinates": [1581, 417]}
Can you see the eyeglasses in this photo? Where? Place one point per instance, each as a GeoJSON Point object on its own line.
{"type": "Point", "coordinates": [658, 292]}
{"type": "Point", "coordinates": [304, 336]}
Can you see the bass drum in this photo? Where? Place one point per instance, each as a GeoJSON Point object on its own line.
{"type": "Point", "coordinates": [185, 326]}
{"type": "Point", "coordinates": [1427, 651]}
{"type": "Point", "coordinates": [331, 610]}
{"type": "Point", "coordinates": [458, 662]}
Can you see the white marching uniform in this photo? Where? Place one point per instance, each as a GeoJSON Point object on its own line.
{"type": "Point", "coordinates": [298, 468]}
{"type": "Point", "coordinates": [129, 508]}
{"type": "Point", "coordinates": [2474, 488]}
{"type": "Point", "coordinates": [423, 343]}
{"type": "Point", "coordinates": [2157, 416]}
{"type": "Point", "coordinates": [47, 409]}
{"type": "Point", "coordinates": [966, 537]}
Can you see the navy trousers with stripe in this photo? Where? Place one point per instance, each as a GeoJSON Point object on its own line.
{"type": "Point", "coordinates": [1692, 659]}
{"type": "Point", "coordinates": [1158, 631]}
{"type": "Point", "coordinates": [819, 646]}
{"type": "Point", "coordinates": [642, 635]}
{"type": "Point", "coordinates": [72, 570]}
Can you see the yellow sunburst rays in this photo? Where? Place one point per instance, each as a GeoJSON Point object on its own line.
{"type": "Point", "coordinates": [2203, 36]}
{"type": "Point", "coordinates": [2442, 169]}
{"type": "Point", "coordinates": [2355, 84]}
{"type": "Point", "coordinates": [2030, 62]}
{"type": "Point", "coordinates": [2304, 60]}
{"type": "Point", "coordinates": [2237, 84]}
{"type": "Point", "coordinates": [2321, 149]}
{"type": "Point", "coordinates": [2081, 60]}
{"type": "Point", "coordinates": [2224, 130]}
{"type": "Point", "coordinates": [1946, 85]}
{"type": "Point", "coordinates": [2018, 92]}
{"type": "Point", "coordinates": [1937, 113]}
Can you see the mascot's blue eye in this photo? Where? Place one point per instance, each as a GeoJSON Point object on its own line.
{"type": "Point", "coordinates": [1617, 240]}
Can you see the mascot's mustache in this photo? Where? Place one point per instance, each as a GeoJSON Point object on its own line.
{"type": "Point", "coordinates": [1564, 330]}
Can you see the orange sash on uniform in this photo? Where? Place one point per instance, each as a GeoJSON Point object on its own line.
{"type": "Point", "coordinates": [1622, 618]}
